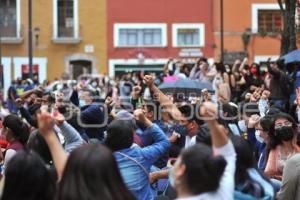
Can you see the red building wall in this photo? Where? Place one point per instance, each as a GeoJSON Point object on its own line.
{"type": "Point", "coordinates": [160, 11]}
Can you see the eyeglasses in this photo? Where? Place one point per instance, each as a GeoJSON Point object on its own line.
{"type": "Point", "coordinates": [287, 123]}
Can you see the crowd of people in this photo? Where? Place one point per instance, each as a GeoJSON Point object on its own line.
{"type": "Point", "coordinates": [123, 138]}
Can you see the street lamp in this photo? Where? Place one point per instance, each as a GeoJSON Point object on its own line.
{"type": "Point", "coordinates": [36, 31]}
{"type": "Point", "coordinates": [222, 30]}
{"type": "Point", "coordinates": [30, 37]}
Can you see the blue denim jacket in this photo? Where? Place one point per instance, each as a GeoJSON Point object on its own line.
{"type": "Point", "coordinates": [133, 175]}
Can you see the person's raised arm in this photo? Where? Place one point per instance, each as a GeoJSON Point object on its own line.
{"type": "Point", "coordinates": [166, 67]}
{"type": "Point", "coordinates": [242, 66]}
{"type": "Point", "coordinates": [218, 133]}
{"type": "Point", "coordinates": [235, 65]}
{"type": "Point", "coordinates": [46, 125]}
{"type": "Point", "coordinates": [71, 135]}
{"type": "Point", "coordinates": [26, 94]}
{"type": "Point", "coordinates": [162, 98]}
{"type": "Point", "coordinates": [160, 141]}
{"type": "Point", "coordinates": [222, 146]}
{"type": "Point", "coordinates": [274, 70]}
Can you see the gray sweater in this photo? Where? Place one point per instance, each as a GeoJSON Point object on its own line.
{"type": "Point", "coordinates": [71, 136]}
{"type": "Point", "coordinates": [290, 189]}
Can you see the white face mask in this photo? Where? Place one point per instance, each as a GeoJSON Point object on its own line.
{"type": "Point", "coordinates": [257, 136]}
{"type": "Point", "coordinates": [94, 84]}
{"type": "Point", "coordinates": [59, 87]}
{"type": "Point", "coordinates": [242, 125]}
{"type": "Point", "coordinates": [82, 103]}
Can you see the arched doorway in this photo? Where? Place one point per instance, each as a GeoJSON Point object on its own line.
{"type": "Point", "coordinates": [81, 67]}
{"type": "Point", "coordinates": [78, 64]}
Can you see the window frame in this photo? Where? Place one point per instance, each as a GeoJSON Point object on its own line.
{"type": "Point", "coordinates": [273, 15]}
{"type": "Point", "coordinates": [118, 26]}
{"type": "Point", "coordinates": [261, 6]}
{"type": "Point", "coordinates": [199, 26]}
{"type": "Point", "coordinates": [18, 37]}
{"type": "Point", "coordinates": [75, 22]}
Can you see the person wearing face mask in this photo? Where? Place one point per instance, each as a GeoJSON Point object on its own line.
{"type": "Point", "coordinates": [249, 183]}
{"type": "Point", "coordinates": [183, 115]}
{"type": "Point", "coordinates": [91, 115]}
{"type": "Point", "coordinates": [282, 144]}
{"type": "Point", "coordinates": [214, 168]}
{"type": "Point", "coordinates": [251, 75]}
{"type": "Point", "coordinates": [261, 134]}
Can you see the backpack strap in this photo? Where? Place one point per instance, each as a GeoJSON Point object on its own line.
{"type": "Point", "coordinates": [135, 161]}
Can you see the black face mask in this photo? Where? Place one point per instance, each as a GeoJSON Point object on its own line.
{"type": "Point", "coordinates": [285, 133]}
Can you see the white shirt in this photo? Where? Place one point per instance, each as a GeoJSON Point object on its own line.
{"type": "Point", "coordinates": [8, 156]}
{"type": "Point", "coordinates": [226, 187]}
{"type": "Point", "coordinates": [189, 141]}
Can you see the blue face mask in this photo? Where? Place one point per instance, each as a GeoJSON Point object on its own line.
{"type": "Point", "coordinates": [82, 103]}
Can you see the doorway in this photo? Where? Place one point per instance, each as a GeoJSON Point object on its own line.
{"type": "Point", "coordinates": [80, 67]}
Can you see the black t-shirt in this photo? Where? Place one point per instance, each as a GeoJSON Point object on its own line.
{"type": "Point", "coordinates": [250, 80]}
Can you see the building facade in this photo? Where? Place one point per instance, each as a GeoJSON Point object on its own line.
{"type": "Point", "coordinates": [68, 36]}
{"type": "Point", "coordinates": [251, 27]}
{"type": "Point", "coordinates": [116, 36]}
{"type": "Point", "coordinates": [142, 35]}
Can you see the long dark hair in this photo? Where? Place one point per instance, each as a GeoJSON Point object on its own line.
{"type": "Point", "coordinates": [27, 178]}
{"type": "Point", "coordinates": [92, 173]}
{"type": "Point", "coordinates": [19, 129]}
{"type": "Point", "coordinates": [37, 143]}
{"type": "Point", "coordinates": [220, 67]}
{"type": "Point", "coordinates": [245, 160]}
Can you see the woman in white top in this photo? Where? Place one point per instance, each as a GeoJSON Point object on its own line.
{"type": "Point", "coordinates": [202, 173]}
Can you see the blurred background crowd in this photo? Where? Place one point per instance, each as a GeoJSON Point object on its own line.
{"type": "Point", "coordinates": [208, 131]}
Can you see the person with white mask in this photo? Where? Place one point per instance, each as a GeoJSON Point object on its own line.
{"type": "Point", "coordinates": [261, 134]}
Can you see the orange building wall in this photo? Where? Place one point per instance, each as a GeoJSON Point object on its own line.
{"type": "Point", "coordinates": [238, 17]}
{"type": "Point", "coordinates": [92, 29]}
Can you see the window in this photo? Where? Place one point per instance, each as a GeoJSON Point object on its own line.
{"type": "Point", "coordinates": [140, 35]}
{"type": "Point", "coordinates": [65, 18]}
{"type": "Point", "coordinates": [269, 20]}
{"type": "Point", "coordinates": [188, 35]}
{"type": "Point", "coordinates": [266, 17]}
{"type": "Point", "coordinates": [9, 18]}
